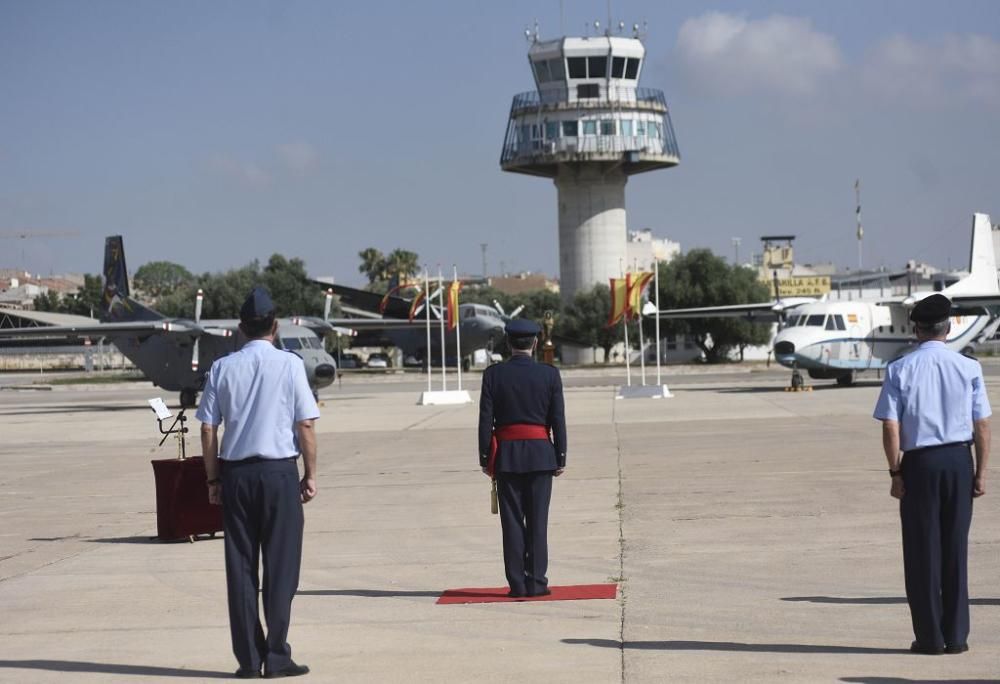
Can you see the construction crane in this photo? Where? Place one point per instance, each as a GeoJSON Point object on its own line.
{"type": "Point", "coordinates": [23, 235]}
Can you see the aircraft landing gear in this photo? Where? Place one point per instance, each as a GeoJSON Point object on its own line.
{"type": "Point", "coordinates": [798, 384]}
{"type": "Point", "coordinates": [189, 398]}
{"type": "Point", "coordinates": [845, 380]}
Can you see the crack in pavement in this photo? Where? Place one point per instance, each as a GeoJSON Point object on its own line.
{"type": "Point", "coordinates": [620, 505]}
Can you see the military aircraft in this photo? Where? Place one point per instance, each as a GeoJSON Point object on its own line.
{"type": "Point", "coordinates": [175, 353]}
{"type": "Point", "coordinates": [481, 326]}
{"type": "Point", "coordinates": [838, 340]}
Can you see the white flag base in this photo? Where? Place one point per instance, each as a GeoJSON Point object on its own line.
{"type": "Point", "coordinates": [640, 392]}
{"type": "Point", "coordinates": [440, 398]}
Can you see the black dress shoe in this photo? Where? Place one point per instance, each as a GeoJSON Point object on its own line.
{"type": "Point", "coordinates": [291, 670]}
{"type": "Point", "coordinates": [916, 647]}
{"type": "Point", "coordinates": [954, 649]}
{"type": "Point", "coordinates": [515, 594]}
{"type": "Point", "coordinates": [543, 592]}
{"type": "Point", "coordinates": [247, 674]}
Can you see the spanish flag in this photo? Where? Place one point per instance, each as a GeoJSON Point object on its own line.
{"type": "Point", "coordinates": [637, 285]}
{"type": "Point", "coordinates": [453, 288]}
{"type": "Point", "coordinates": [415, 304]}
{"type": "Point", "coordinates": [619, 299]}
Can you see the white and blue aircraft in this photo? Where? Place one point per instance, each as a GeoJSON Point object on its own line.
{"type": "Point", "coordinates": [838, 340]}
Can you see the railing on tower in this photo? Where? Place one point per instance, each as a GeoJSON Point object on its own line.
{"type": "Point", "coordinates": [533, 99]}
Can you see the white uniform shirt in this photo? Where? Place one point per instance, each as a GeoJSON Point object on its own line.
{"type": "Point", "coordinates": [260, 393]}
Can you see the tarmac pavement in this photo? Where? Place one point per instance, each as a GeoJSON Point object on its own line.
{"type": "Point", "coordinates": [750, 528]}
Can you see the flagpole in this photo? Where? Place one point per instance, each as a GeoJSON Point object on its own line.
{"type": "Point", "coordinates": [642, 351]}
{"type": "Point", "coordinates": [628, 367]}
{"type": "Point", "coordinates": [427, 317]}
{"type": "Point", "coordinates": [458, 325]}
{"type": "Point", "coordinates": [642, 343]}
{"type": "Point", "coordinates": [656, 284]}
{"type": "Point", "coordinates": [444, 379]}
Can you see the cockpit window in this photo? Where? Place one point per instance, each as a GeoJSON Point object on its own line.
{"type": "Point", "coordinates": [816, 320]}
{"type": "Point", "coordinates": [831, 323]}
{"type": "Point", "coordinates": [291, 343]}
{"type": "Point", "coordinates": [840, 322]}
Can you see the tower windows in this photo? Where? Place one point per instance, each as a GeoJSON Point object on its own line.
{"type": "Point", "coordinates": [588, 91]}
{"type": "Point", "coordinates": [556, 70]}
{"type": "Point", "coordinates": [542, 71]}
{"type": "Point", "coordinates": [577, 67]}
{"type": "Point", "coordinates": [632, 68]}
{"type": "Point", "coordinates": [607, 127]}
{"type": "Point", "coordinates": [590, 127]}
{"type": "Point", "coordinates": [570, 129]}
{"type": "Point", "coordinates": [626, 125]}
{"type": "Point", "coordinates": [597, 67]}
{"type": "Point", "coordinates": [617, 67]}
{"type": "Point", "coordinates": [551, 130]}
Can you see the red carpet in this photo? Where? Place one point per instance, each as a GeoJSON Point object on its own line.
{"type": "Point", "coordinates": [575, 592]}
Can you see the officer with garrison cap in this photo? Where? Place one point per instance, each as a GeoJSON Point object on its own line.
{"type": "Point", "coordinates": [932, 406]}
{"type": "Point", "coordinates": [263, 397]}
{"type": "Point", "coordinates": [522, 444]}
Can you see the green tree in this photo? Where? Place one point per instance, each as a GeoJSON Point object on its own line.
{"type": "Point", "coordinates": [48, 301]}
{"type": "Point", "coordinates": [290, 287]}
{"type": "Point", "coordinates": [402, 263]}
{"type": "Point", "coordinates": [372, 264]}
{"type": "Point", "coordinates": [700, 278]}
{"type": "Point", "coordinates": [158, 278]}
{"type": "Point", "coordinates": [584, 321]}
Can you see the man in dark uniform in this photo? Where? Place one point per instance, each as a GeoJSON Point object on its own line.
{"type": "Point", "coordinates": [263, 397]}
{"type": "Point", "coordinates": [932, 406]}
{"type": "Point", "coordinates": [522, 444]}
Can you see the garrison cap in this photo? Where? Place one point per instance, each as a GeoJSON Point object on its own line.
{"type": "Point", "coordinates": [258, 305]}
{"type": "Point", "coordinates": [931, 310]}
{"type": "Point", "coordinates": [522, 327]}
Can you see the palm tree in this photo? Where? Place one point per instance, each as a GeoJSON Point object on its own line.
{"type": "Point", "coordinates": [373, 264]}
{"type": "Point", "coordinates": [402, 263]}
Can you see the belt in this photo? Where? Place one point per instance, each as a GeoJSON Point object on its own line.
{"type": "Point", "coordinates": [255, 459]}
{"type": "Point", "coordinates": [947, 445]}
{"type": "Point", "coordinates": [509, 433]}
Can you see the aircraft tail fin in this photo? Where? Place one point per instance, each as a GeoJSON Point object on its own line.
{"type": "Point", "coordinates": [982, 278]}
{"type": "Point", "coordinates": [116, 304]}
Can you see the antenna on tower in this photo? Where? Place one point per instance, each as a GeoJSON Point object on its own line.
{"type": "Point", "coordinates": [608, 31]}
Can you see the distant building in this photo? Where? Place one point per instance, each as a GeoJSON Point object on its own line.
{"type": "Point", "coordinates": [644, 249]}
{"type": "Point", "coordinates": [18, 289]}
{"type": "Point", "coordinates": [520, 283]}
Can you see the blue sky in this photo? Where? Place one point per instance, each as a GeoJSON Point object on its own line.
{"type": "Point", "coordinates": [212, 133]}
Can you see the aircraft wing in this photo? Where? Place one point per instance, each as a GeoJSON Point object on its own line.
{"type": "Point", "coordinates": [971, 300]}
{"type": "Point", "coordinates": [160, 327]}
{"type": "Point", "coordinates": [397, 307]}
{"type": "Point", "coordinates": [762, 312]}
{"type": "Point", "coordinates": [381, 323]}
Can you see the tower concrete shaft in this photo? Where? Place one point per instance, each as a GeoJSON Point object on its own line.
{"type": "Point", "coordinates": [592, 228]}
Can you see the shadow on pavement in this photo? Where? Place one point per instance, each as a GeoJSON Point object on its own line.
{"type": "Point", "coordinates": [367, 593]}
{"type": "Point", "coordinates": [143, 539]}
{"type": "Point", "coordinates": [903, 680]}
{"type": "Point", "coordinates": [877, 600]}
{"type": "Point", "coordinates": [72, 408]}
{"type": "Point", "coordinates": [112, 669]}
{"type": "Point", "coordinates": [736, 647]}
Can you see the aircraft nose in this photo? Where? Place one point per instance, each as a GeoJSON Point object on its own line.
{"type": "Point", "coordinates": [325, 373]}
{"type": "Point", "coordinates": [784, 347]}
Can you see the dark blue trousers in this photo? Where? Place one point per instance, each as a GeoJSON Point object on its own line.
{"type": "Point", "coordinates": [262, 517]}
{"type": "Point", "coordinates": [524, 519]}
{"type": "Point", "coordinates": [936, 512]}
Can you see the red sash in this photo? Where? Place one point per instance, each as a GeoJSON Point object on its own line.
{"type": "Point", "coordinates": [508, 433]}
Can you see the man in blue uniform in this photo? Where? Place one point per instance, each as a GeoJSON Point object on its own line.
{"type": "Point", "coordinates": [263, 397]}
{"type": "Point", "coordinates": [522, 443]}
{"type": "Point", "coordinates": [932, 406]}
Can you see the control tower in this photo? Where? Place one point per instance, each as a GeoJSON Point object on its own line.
{"type": "Point", "coordinates": [589, 126]}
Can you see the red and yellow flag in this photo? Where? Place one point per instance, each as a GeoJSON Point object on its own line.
{"type": "Point", "coordinates": [415, 304]}
{"type": "Point", "coordinates": [453, 288]}
{"type": "Point", "coordinates": [637, 284]}
{"type": "Point", "coordinates": [619, 299]}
